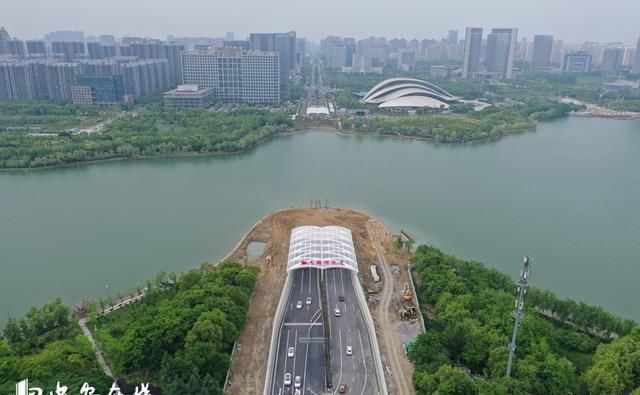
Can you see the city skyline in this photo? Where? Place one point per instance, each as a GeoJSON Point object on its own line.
{"type": "Point", "coordinates": [355, 19]}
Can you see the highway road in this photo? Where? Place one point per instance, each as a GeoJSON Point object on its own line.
{"type": "Point", "coordinates": [302, 329]}
{"type": "Point", "coordinates": [357, 371]}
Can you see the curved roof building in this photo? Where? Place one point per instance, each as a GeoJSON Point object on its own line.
{"type": "Point", "coordinates": [322, 248]}
{"type": "Point", "coordinates": [408, 93]}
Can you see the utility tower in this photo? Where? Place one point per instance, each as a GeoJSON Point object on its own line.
{"type": "Point", "coordinates": [522, 291]}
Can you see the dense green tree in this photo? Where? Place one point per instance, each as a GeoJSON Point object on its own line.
{"type": "Point", "coordinates": [616, 366]}
{"type": "Point", "coordinates": [470, 311]}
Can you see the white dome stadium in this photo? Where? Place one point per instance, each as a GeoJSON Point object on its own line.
{"type": "Point", "coordinates": [408, 93]}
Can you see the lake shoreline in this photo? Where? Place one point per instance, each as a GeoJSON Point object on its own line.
{"type": "Point", "coordinates": [341, 132]}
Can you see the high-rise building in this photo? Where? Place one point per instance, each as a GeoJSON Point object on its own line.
{"type": "Point", "coordinates": [68, 50]}
{"type": "Point", "coordinates": [39, 73]}
{"type": "Point", "coordinates": [244, 44]}
{"type": "Point", "coordinates": [577, 62]}
{"type": "Point", "coordinates": [628, 56]}
{"type": "Point", "coordinates": [155, 49]}
{"type": "Point", "coordinates": [96, 50]}
{"type": "Point", "coordinates": [452, 37]}
{"type": "Point", "coordinates": [501, 46]}
{"type": "Point", "coordinates": [612, 60]}
{"type": "Point", "coordinates": [337, 56]}
{"type": "Point", "coordinates": [60, 78]}
{"type": "Point", "coordinates": [64, 35]}
{"type": "Point", "coordinates": [144, 76]}
{"type": "Point", "coordinates": [472, 48]}
{"type": "Point", "coordinates": [557, 52]}
{"type": "Point", "coordinates": [4, 37]}
{"type": "Point", "coordinates": [636, 64]}
{"type": "Point", "coordinates": [107, 39]}
{"type": "Point", "coordinates": [542, 47]}
{"type": "Point", "coordinates": [16, 48]}
{"type": "Point", "coordinates": [406, 59]}
{"type": "Point", "coordinates": [285, 45]}
{"type": "Point", "coordinates": [37, 47]}
{"type": "Point", "coordinates": [16, 81]}
{"type": "Point", "coordinates": [235, 75]}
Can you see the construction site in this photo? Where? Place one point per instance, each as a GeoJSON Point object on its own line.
{"type": "Point", "coordinates": [383, 261]}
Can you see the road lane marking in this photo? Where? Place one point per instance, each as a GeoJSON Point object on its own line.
{"type": "Point", "coordinates": [286, 358]}
{"type": "Point", "coordinates": [364, 385]}
{"type": "Point", "coordinates": [301, 324]}
{"type": "Point", "coordinates": [340, 351]}
{"type": "Point", "coordinates": [335, 289]}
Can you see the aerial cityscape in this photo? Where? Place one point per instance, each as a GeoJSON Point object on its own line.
{"type": "Point", "coordinates": [324, 208]}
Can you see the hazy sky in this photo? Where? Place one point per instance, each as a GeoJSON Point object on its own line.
{"type": "Point", "coordinates": [570, 20]}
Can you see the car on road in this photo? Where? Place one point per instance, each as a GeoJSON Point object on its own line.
{"type": "Point", "coordinates": [287, 379]}
{"type": "Point", "coordinates": [308, 300]}
{"type": "Point", "coordinates": [290, 352]}
{"type": "Point", "coordinates": [298, 382]}
{"type": "Point", "coordinates": [342, 388]}
{"type": "Point", "coordinates": [349, 350]}
{"type": "Point", "coordinates": [341, 297]}
{"type": "Point", "coordinates": [299, 304]}
{"type": "Point", "coordinates": [337, 312]}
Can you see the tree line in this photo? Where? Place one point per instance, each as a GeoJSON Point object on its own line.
{"type": "Point", "coordinates": [182, 333]}
{"type": "Point", "coordinates": [469, 322]}
{"type": "Point", "coordinates": [46, 346]}
{"type": "Point", "coordinates": [157, 130]}
{"type": "Point", "coordinates": [490, 123]}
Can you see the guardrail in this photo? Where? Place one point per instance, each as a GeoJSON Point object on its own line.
{"type": "Point", "coordinates": [275, 333]}
{"type": "Point", "coordinates": [373, 339]}
{"type": "Point", "coordinates": [228, 376]}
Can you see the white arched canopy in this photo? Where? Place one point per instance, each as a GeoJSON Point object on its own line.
{"type": "Point", "coordinates": [322, 248]}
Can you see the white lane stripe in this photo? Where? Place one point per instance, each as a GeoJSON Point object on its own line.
{"type": "Point", "coordinates": [301, 324]}
{"type": "Point", "coordinates": [284, 371]}
{"type": "Point", "coordinates": [340, 351]}
{"type": "Point", "coordinates": [335, 289]}
{"type": "Point", "coordinates": [306, 359]}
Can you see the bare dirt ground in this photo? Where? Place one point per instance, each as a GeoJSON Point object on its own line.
{"type": "Point", "coordinates": [250, 361]}
{"type": "Point", "coordinates": [391, 330]}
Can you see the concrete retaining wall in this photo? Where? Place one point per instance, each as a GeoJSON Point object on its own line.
{"type": "Point", "coordinates": [373, 339]}
{"type": "Point", "coordinates": [275, 333]}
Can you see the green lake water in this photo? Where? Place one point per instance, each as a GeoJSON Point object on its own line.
{"type": "Point", "coordinates": [568, 194]}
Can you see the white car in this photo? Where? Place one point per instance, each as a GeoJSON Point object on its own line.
{"type": "Point", "coordinates": [290, 352]}
{"type": "Point", "coordinates": [349, 350]}
{"type": "Point", "coordinates": [298, 382]}
{"type": "Point", "coordinates": [337, 312]}
{"type": "Point", "coordinates": [287, 379]}
{"type": "Point", "coordinates": [299, 304]}
{"type": "Point", "coordinates": [308, 299]}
